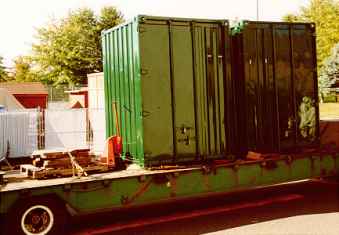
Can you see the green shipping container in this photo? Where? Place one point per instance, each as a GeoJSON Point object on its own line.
{"type": "Point", "coordinates": [275, 70]}
{"type": "Point", "coordinates": [167, 78]}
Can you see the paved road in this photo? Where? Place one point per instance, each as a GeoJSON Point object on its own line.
{"type": "Point", "coordinates": [304, 208]}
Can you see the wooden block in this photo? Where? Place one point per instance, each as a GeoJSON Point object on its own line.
{"type": "Point", "coordinates": [79, 151]}
{"type": "Point", "coordinates": [49, 173]}
{"type": "Point", "coordinates": [254, 156]}
{"type": "Point", "coordinates": [64, 163]}
{"type": "Point", "coordinates": [54, 155]}
{"type": "Point", "coordinates": [27, 169]}
{"type": "Point", "coordinates": [37, 162]}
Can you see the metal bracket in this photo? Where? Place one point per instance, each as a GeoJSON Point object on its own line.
{"type": "Point", "coordinates": [142, 178]}
{"type": "Point", "coordinates": [184, 129]}
{"type": "Point", "coordinates": [141, 29]}
{"type": "Point", "coordinates": [145, 113]}
{"type": "Point", "coordinates": [67, 187]}
{"type": "Point", "coordinates": [187, 140]}
{"type": "Point", "coordinates": [143, 71]}
{"type": "Point", "coordinates": [106, 183]}
{"type": "Point", "coordinates": [142, 19]}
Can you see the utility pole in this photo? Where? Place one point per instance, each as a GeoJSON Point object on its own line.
{"type": "Point", "coordinates": [257, 10]}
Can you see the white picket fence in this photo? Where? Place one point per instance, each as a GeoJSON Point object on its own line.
{"type": "Point", "coordinates": [19, 129]}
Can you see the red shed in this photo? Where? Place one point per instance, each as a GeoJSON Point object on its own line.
{"type": "Point", "coordinates": [78, 98]}
{"type": "Point", "coordinates": [29, 94]}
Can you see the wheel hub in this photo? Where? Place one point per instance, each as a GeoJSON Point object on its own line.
{"type": "Point", "coordinates": [37, 220]}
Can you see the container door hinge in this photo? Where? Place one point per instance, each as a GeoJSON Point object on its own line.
{"type": "Point", "coordinates": [193, 25]}
{"type": "Point", "coordinates": [141, 29]}
{"type": "Point", "coordinates": [185, 130]}
{"type": "Point", "coordinates": [186, 140]}
{"type": "Point", "coordinates": [144, 71]}
{"type": "Point", "coordinates": [209, 58]}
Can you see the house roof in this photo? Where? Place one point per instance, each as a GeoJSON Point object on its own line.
{"type": "Point", "coordinates": [79, 91]}
{"type": "Point", "coordinates": [21, 88]}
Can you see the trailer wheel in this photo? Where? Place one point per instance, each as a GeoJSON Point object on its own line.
{"type": "Point", "coordinates": [38, 216]}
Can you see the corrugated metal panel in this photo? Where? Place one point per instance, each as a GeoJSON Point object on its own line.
{"type": "Point", "coordinates": [167, 77]}
{"type": "Point", "coordinates": [96, 111]}
{"type": "Point", "coordinates": [275, 71]}
{"type": "Point", "coordinates": [20, 129]}
{"type": "Point", "coordinates": [65, 128]}
{"type": "Point", "coordinates": [122, 79]}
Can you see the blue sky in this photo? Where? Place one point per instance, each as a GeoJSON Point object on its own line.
{"type": "Point", "coordinates": [20, 18]}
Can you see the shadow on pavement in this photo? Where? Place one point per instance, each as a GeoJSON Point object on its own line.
{"type": "Point", "coordinates": [206, 215]}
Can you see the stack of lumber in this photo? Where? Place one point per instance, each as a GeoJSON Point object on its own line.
{"type": "Point", "coordinates": [61, 159]}
{"type": "Point", "coordinates": [60, 163]}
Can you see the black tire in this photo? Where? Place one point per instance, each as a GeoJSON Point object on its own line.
{"type": "Point", "coordinates": [36, 216]}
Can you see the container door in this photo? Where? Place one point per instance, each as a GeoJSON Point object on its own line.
{"type": "Point", "coordinates": [198, 90]}
{"type": "Point", "coordinates": [156, 92]}
{"type": "Point", "coordinates": [284, 87]}
{"type": "Point", "coordinates": [296, 81]}
{"type": "Point", "coordinates": [183, 91]}
{"type": "Point", "coordinates": [305, 84]}
{"type": "Point", "coordinates": [279, 86]}
{"type": "Point", "coordinates": [259, 89]}
{"type": "Point", "coordinates": [209, 90]}
{"type": "Point", "coordinates": [251, 88]}
{"type": "Point", "coordinates": [269, 117]}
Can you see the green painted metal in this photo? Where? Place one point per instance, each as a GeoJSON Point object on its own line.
{"type": "Point", "coordinates": [166, 76]}
{"type": "Point", "coordinates": [274, 66]}
{"type": "Point", "coordinates": [156, 186]}
{"type": "Point", "coordinates": [123, 86]}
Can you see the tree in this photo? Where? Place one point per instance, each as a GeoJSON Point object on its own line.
{"type": "Point", "coordinates": [329, 73]}
{"type": "Point", "coordinates": [331, 64]}
{"type": "Point", "coordinates": [70, 48]}
{"type": "Point", "coordinates": [23, 71]}
{"type": "Point", "coordinates": [109, 17]}
{"type": "Point", "coordinates": [325, 14]}
{"type": "Point", "coordinates": [3, 73]}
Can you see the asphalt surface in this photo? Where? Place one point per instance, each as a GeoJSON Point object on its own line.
{"type": "Point", "coordinates": [303, 208]}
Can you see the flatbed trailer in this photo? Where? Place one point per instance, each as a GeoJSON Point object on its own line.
{"type": "Point", "coordinates": [141, 90]}
{"type": "Point", "coordinates": [32, 206]}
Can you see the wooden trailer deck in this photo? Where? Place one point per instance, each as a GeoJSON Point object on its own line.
{"type": "Point", "coordinates": [16, 180]}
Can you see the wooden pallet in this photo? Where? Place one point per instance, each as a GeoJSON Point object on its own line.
{"type": "Point", "coordinates": [61, 163]}
{"type": "Point", "coordinates": [62, 158]}
{"type": "Point", "coordinates": [27, 169]}
{"type": "Point", "coordinates": [45, 173]}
